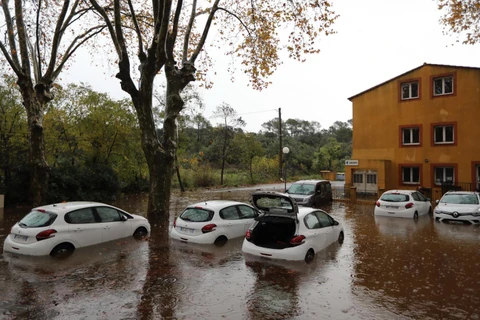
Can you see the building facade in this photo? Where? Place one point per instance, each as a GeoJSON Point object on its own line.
{"type": "Point", "coordinates": [420, 129]}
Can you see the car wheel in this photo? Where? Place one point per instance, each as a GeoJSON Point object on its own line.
{"type": "Point", "coordinates": [415, 216]}
{"type": "Point", "coordinates": [341, 237]}
{"type": "Point", "coordinates": [62, 251]}
{"type": "Point", "coordinates": [220, 241]}
{"type": "Point", "coordinates": [309, 256]}
{"type": "Point", "coordinates": [140, 233]}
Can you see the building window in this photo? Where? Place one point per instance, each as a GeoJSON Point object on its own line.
{"type": "Point", "coordinates": [444, 134]}
{"type": "Point", "coordinates": [444, 175]}
{"type": "Point", "coordinates": [409, 90]}
{"type": "Point", "coordinates": [410, 136]}
{"type": "Point", "coordinates": [371, 178]}
{"type": "Point", "coordinates": [443, 86]}
{"type": "Point", "coordinates": [410, 175]}
{"type": "Point", "coordinates": [357, 178]}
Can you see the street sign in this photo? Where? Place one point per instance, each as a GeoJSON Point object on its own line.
{"type": "Point", "coordinates": [351, 162]}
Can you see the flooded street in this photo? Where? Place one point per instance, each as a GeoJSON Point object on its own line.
{"type": "Point", "coordinates": [386, 269]}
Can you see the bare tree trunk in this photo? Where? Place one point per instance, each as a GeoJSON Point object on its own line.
{"type": "Point", "coordinates": [34, 102]}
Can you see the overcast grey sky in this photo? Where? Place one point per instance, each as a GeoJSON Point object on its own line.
{"type": "Point", "coordinates": [376, 40]}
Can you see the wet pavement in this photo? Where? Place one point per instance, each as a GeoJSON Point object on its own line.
{"type": "Point", "coordinates": [386, 269]}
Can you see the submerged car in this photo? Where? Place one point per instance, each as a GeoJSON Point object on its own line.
{"type": "Point", "coordinates": [58, 229]}
{"type": "Point", "coordinates": [403, 204]}
{"type": "Point", "coordinates": [311, 193]}
{"type": "Point", "coordinates": [213, 221]}
{"type": "Point", "coordinates": [286, 232]}
{"type": "Point", "coordinates": [458, 207]}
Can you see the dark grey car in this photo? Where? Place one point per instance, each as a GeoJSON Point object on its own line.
{"type": "Point", "coordinates": [311, 193]}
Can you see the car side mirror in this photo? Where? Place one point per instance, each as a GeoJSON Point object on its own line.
{"type": "Point", "coordinates": [437, 201]}
{"type": "Point", "coordinates": [123, 218]}
{"type": "Point", "coordinates": [335, 223]}
{"type": "Point", "coordinates": [428, 200]}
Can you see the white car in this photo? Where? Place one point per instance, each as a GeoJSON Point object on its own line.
{"type": "Point", "coordinates": [58, 229]}
{"type": "Point", "coordinates": [213, 221]}
{"type": "Point", "coordinates": [403, 204]}
{"type": "Point", "coordinates": [286, 232]}
{"type": "Point", "coordinates": [458, 206]}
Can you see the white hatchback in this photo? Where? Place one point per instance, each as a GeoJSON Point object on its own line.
{"type": "Point", "coordinates": [403, 204]}
{"type": "Point", "coordinates": [58, 229]}
{"type": "Point", "coordinates": [285, 232]}
{"type": "Point", "coordinates": [213, 221]}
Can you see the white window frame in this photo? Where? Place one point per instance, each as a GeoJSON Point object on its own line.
{"type": "Point", "coordinates": [358, 178]}
{"type": "Point", "coordinates": [409, 86]}
{"type": "Point", "coordinates": [411, 175]}
{"type": "Point", "coordinates": [443, 88]}
{"type": "Point", "coordinates": [410, 143]}
{"type": "Point", "coordinates": [372, 178]}
{"type": "Point", "coordinates": [444, 134]}
{"type": "Point", "coordinates": [444, 178]}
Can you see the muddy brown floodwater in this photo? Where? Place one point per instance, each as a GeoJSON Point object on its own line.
{"type": "Point", "coordinates": [385, 269]}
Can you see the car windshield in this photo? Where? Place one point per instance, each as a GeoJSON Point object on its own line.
{"type": "Point", "coordinates": [269, 202]}
{"type": "Point", "coordinates": [300, 188]}
{"type": "Point", "coordinates": [460, 199]}
{"type": "Point", "coordinates": [394, 197]}
{"type": "Point", "coordinates": [196, 215]}
{"type": "Point", "coordinates": [37, 219]}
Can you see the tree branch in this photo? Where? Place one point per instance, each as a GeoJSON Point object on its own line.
{"type": "Point", "coordinates": [11, 37]}
{"type": "Point", "coordinates": [205, 32]}
{"type": "Point", "coordinates": [37, 67]}
{"type": "Point", "coordinates": [176, 18]}
{"type": "Point", "coordinates": [11, 62]}
{"type": "Point", "coordinates": [104, 15]}
{"type": "Point", "coordinates": [141, 53]}
{"type": "Point", "coordinates": [237, 17]}
{"type": "Point", "coordinates": [57, 38]}
{"type": "Point", "coordinates": [188, 31]}
{"type": "Point", "coordinates": [87, 35]}
{"type": "Point", "coordinates": [22, 38]}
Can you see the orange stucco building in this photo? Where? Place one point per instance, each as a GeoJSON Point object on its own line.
{"type": "Point", "coordinates": [419, 129]}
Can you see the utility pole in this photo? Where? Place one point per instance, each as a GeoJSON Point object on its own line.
{"type": "Point", "coordinates": [280, 152]}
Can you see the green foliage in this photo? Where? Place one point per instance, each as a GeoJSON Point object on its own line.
{"type": "Point", "coordinates": [265, 169]}
{"type": "Point", "coordinates": [92, 183]}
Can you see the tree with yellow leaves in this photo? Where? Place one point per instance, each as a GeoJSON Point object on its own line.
{"type": "Point", "coordinates": [175, 38]}
{"type": "Point", "coordinates": [461, 17]}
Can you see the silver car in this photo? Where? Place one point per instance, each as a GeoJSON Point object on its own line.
{"type": "Point", "coordinates": [458, 207]}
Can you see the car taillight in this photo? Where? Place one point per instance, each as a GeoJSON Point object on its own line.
{"type": "Point", "coordinates": [175, 223]}
{"type": "Point", "coordinates": [377, 204]}
{"type": "Point", "coordinates": [46, 234]}
{"type": "Point", "coordinates": [248, 234]}
{"type": "Point", "coordinates": [209, 228]}
{"type": "Point", "coordinates": [295, 241]}
{"type": "Point", "coordinates": [409, 205]}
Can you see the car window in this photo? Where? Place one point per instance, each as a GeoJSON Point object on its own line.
{"type": "Point", "coordinates": [415, 196]}
{"type": "Point", "coordinates": [395, 197]}
{"type": "Point", "coordinates": [268, 202]}
{"type": "Point", "coordinates": [421, 196]}
{"type": "Point", "coordinates": [460, 199]}
{"type": "Point", "coordinates": [108, 214]}
{"type": "Point", "coordinates": [196, 215]}
{"type": "Point", "coordinates": [300, 188]}
{"type": "Point", "coordinates": [311, 221]}
{"type": "Point", "coordinates": [247, 212]}
{"type": "Point", "coordinates": [80, 216]}
{"type": "Point", "coordinates": [37, 219]}
{"type": "Point", "coordinates": [229, 213]}
{"type": "Point", "coordinates": [325, 220]}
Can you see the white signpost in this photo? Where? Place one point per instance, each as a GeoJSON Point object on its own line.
{"type": "Point", "coordinates": [351, 162]}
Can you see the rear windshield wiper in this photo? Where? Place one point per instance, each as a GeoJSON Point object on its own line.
{"type": "Point", "coordinates": [21, 224]}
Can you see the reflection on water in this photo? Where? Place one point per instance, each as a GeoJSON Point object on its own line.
{"type": "Point", "coordinates": [386, 268]}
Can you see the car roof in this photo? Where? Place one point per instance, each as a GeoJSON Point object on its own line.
{"type": "Point", "coordinates": [400, 191]}
{"type": "Point", "coordinates": [216, 204]}
{"type": "Point", "coordinates": [303, 211]}
{"type": "Point", "coordinates": [462, 192]}
{"type": "Point", "coordinates": [64, 207]}
{"type": "Point", "coordinates": [311, 181]}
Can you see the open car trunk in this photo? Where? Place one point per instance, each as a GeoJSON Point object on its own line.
{"type": "Point", "coordinates": [273, 232]}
